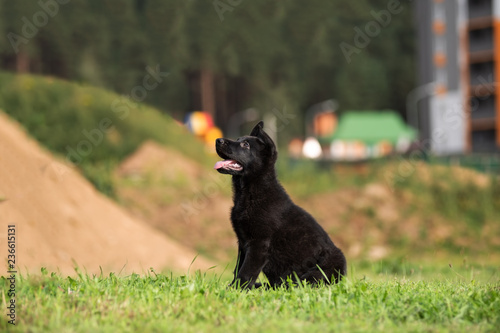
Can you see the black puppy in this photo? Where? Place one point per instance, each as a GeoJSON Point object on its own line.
{"type": "Point", "coordinates": [275, 236]}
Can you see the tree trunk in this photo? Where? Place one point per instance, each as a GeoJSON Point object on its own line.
{"type": "Point", "coordinates": [207, 91]}
{"type": "Point", "coordinates": [22, 61]}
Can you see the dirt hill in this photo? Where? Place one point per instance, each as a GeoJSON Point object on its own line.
{"type": "Point", "coordinates": [176, 195]}
{"type": "Point", "coordinates": [191, 204]}
{"type": "Point", "coordinates": [62, 221]}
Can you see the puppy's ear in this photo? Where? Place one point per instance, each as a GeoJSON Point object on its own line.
{"type": "Point", "coordinates": [258, 131]}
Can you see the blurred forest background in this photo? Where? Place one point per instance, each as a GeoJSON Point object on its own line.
{"type": "Point", "coordinates": [221, 56]}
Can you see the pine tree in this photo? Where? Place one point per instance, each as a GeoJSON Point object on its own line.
{"type": "Point", "coordinates": [221, 55]}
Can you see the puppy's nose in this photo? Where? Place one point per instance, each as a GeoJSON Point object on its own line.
{"type": "Point", "coordinates": [220, 141]}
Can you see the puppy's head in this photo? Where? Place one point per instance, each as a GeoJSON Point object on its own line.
{"type": "Point", "coordinates": [249, 155]}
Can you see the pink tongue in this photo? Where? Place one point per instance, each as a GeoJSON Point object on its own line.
{"type": "Point", "coordinates": [222, 164]}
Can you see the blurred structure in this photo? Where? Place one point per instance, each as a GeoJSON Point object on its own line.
{"type": "Point", "coordinates": [456, 106]}
{"type": "Point", "coordinates": [357, 136]}
{"type": "Point", "coordinates": [325, 123]}
{"type": "Point", "coordinates": [201, 124]}
{"type": "Point", "coordinates": [320, 119]}
{"type": "Point", "coordinates": [364, 135]}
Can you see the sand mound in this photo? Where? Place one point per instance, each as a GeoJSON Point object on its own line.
{"type": "Point", "coordinates": [179, 197]}
{"type": "Point", "coordinates": [156, 160]}
{"type": "Point", "coordinates": [61, 219]}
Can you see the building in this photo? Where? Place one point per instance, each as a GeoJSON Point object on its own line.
{"type": "Point", "coordinates": [456, 106]}
{"type": "Point", "coordinates": [362, 135]}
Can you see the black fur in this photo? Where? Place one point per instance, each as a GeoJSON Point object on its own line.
{"type": "Point", "coordinates": [275, 236]}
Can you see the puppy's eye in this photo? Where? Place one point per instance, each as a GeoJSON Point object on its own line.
{"type": "Point", "coordinates": [245, 144]}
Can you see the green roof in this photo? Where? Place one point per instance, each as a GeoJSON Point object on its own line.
{"type": "Point", "coordinates": [372, 127]}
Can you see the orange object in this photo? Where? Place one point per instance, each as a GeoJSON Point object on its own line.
{"type": "Point", "coordinates": [325, 124]}
{"type": "Point", "coordinates": [441, 89]}
{"type": "Point", "coordinates": [440, 59]}
{"type": "Point", "coordinates": [439, 27]}
{"type": "Point", "coordinates": [295, 148]}
{"type": "Point", "coordinates": [212, 134]}
{"type": "Point", "coordinates": [199, 122]}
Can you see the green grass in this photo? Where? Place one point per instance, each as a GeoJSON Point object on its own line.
{"type": "Point", "coordinates": [203, 303]}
